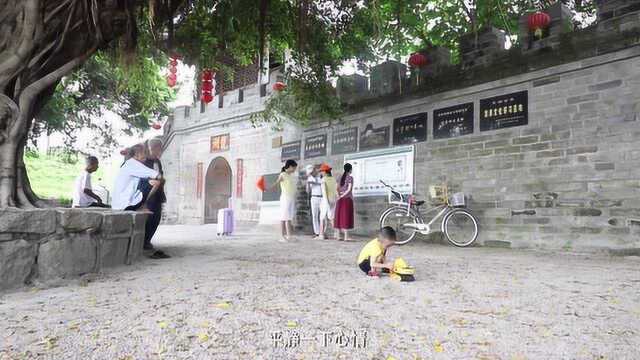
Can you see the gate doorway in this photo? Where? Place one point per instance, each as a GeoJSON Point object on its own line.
{"type": "Point", "coordinates": [217, 189]}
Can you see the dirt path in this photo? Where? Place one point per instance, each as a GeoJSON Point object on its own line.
{"type": "Point", "coordinates": [249, 297]}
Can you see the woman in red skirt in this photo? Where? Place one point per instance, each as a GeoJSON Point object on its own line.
{"type": "Point", "coordinates": [344, 205]}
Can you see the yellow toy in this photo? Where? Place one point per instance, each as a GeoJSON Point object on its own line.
{"type": "Point", "coordinates": [402, 271]}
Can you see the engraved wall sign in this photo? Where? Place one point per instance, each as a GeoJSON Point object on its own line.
{"type": "Point", "coordinates": [410, 129]}
{"type": "Point", "coordinates": [344, 141]}
{"type": "Point", "coordinates": [219, 143]}
{"type": "Point", "coordinates": [504, 111]}
{"type": "Point", "coordinates": [315, 146]}
{"type": "Point", "coordinates": [374, 138]}
{"type": "Point", "coordinates": [453, 121]}
{"type": "Point", "coordinates": [291, 151]}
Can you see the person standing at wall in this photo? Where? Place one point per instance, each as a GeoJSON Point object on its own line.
{"type": "Point", "coordinates": [329, 195]}
{"type": "Point", "coordinates": [344, 205]}
{"type": "Point", "coordinates": [315, 192]}
{"type": "Point", "coordinates": [153, 148]}
{"type": "Point", "coordinates": [287, 184]}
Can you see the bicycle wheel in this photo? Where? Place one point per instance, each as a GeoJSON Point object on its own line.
{"type": "Point", "coordinates": [396, 217]}
{"type": "Point", "coordinates": [460, 227]}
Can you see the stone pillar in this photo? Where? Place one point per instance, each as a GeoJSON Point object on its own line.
{"type": "Point", "coordinates": [438, 57]}
{"type": "Point", "coordinates": [388, 78]}
{"type": "Point", "coordinates": [351, 88]}
{"type": "Point", "coordinates": [489, 45]}
{"type": "Point", "coordinates": [561, 23]}
{"type": "Point", "coordinates": [618, 15]}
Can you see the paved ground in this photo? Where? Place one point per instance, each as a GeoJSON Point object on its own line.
{"type": "Point", "coordinates": [248, 297]}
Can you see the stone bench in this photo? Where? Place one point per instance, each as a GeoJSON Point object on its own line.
{"type": "Point", "coordinates": [61, 243]}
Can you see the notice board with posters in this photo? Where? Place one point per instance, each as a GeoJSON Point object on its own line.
{"type": "Point", "coordinates": [504, 111]}
{"type": "Point", "coordinates": [410, 129]}
{"type": "Point", "coordinates": [291, 151]}
{"type": "Point", "coordinates": [394, 166]}
{"type": "Point", "coordinates": [453, 121]}
{"type": "Point", "coordinates": [315, 146]}
{"type": "Point", "coordinates": [271, 194]}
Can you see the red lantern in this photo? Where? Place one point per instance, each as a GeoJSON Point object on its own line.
{"type": "Point", "coordinates": [260, 184]}
{"type": "Point", "coordinates": [207, 75]}
{"type": "Point", "coordinates": [173, 69]}
{"type": "Point", "coordinates": [156, 126]}
{"type": "Point", "coordinates": [173, 77]}
{"type": "Point", "coordinates": [124, 151]}
{"type": "Point", "coordinates": [538, 22]}
{"type": "Point", "coordinates": [418, 60]}
{"type": "Point", "coordinates": [173, 62]}
{"type": "Point", "coordinates": [279, 86]}
{"type": "Point", "coordinates": [171, 82]}
{"type": "Point", "coordinates": [206, 97]}
{"type": "Point", "coordinates": [207, 86]}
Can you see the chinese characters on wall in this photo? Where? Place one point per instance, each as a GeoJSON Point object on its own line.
{"type": "Point", "coordinates": [239, 176]}
{"type": "Point", "coordinates": [291, 151]}
{"type": "Point", "coordinates": [315, 146]}
{"type": "Point", "coordinates": [219, 143]}
{"type": "Point", "coordinates": [504, 111]}
{"type": "Point", "coordinates": [344, 141]}
{"type": "Point", "coordinates": [410, 129]}
{"type": "Point", "coordinates": [453, 121]}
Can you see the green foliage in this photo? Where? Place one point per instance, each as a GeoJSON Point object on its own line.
{"type": "Point", "coordinates": [135, 91]}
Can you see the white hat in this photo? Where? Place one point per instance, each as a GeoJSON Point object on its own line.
{"type": "Point", "coordinates": [309, 169]}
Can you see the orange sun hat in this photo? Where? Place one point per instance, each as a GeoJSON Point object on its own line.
{"type": "Point", "coordinates": [325, 167]}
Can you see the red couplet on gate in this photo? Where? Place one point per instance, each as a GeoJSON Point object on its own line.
{"type": "Point", "coordinates": [239, 177]}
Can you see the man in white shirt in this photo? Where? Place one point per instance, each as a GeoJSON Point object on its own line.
{"type": "Point", "coordinates": [83, 195]}
{"type": "Point", "coordinates": [314, 190]}
{"type": "Point", "coordinates": [135, 182]}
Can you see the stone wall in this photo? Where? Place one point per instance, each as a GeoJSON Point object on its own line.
{"type": "Point", "coordinates": [570, 179]}
{"type": "Point", "coordinates": [45, 244]}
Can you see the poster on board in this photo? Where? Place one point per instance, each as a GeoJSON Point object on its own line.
{"type": "Point", "coordinates": [393, 166]}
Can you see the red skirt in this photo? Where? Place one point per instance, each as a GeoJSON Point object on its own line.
{"type": "Point", "coordinates": [344, 213]}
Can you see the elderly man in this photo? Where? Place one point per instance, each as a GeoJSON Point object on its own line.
{"type": "Point", "coordinates": [154, 151]}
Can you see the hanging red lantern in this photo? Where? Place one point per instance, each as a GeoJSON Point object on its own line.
{"type": "Point", "coordinates": [206, 97]}
{"type": "Point", "coordinates": [173, 77]}
{"type": "Point", "coordinates": [171, 82]}
{"type": "Point", "coordinates": [538, 22]}
{"type": "Point", "coordinates": [418, 60]}
{"type": "Point", "coordinates": [207, 75]}
{"type": "Point", "coordinates": [173, 62]}
{"type": "Point", "coordinates": [207, 86]}
{"type": "Point", "coordinates": [173, 69]}
{"type": "Point", "coordinates": [279, 86]}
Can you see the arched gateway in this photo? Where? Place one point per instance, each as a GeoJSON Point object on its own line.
{"type": "Point", "coordinates": [217, 189]}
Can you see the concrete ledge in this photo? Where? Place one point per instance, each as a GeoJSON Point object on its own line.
{"type": "Point", "coordinates": [61, 243]}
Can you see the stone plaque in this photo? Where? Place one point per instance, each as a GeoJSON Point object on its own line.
{"type": "Point", "coordinates": [374, 138]}
{"type": "Point", "coordinates": [276, 142]}
{"type": "Point", "coordinates": [291, 151]}
{"type": "Point", "coordinates": [344, 141]}
{"type": "Point", "coordinates": [410, 129]}
{"type": "Point", "coordinates": [504, 111]}
{"type": "Point", "coordinates": [271, 194]}
{"type": "Point", "coordinates": [219, 143]}
{"type": "Point", "coordinates": [453, 121]}
{"type": "Point", "coordinates": [315, 146]}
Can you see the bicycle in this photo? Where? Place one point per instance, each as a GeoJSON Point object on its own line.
{"type": "Point", "coordinates": [458, 224]}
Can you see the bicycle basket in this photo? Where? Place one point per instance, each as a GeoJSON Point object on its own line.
{"type": "Point", "coordinates": [458, 200]}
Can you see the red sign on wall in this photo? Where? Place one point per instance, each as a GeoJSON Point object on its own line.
{"type": "Point", "coordinates": [199, 179]}
{"type": "Point", "coordinates": [239, 176]}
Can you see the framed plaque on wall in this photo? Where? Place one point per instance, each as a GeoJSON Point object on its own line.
{"type": "Point", "coordinates": [374, 138]}
{"type": "Point", "coordinates": [344, 141]}
{"type": "Point", "coordinates": [504, 111]}
{"type": "Point", "coordinates": [291, 151]}
{"type": "Point", "coordinates": [410, 129]}
{"type": "Point", "coordinates": [315, 146]}
{"type": "Point", "coordinates": [453, 121]}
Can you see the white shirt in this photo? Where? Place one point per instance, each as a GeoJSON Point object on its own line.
{"type": "Point", "coordinates": [125, 189]}
{"type": "Point", "coordinates": [80, 199]}
{"type": "Point", "coordinates": [314, 185]}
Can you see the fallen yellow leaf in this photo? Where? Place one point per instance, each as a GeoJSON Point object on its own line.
{"type": "Point", "coordinates": [223, 305]}
{"type": "Point", "coordinates": [437, 346]}
{"type": "Point", "coordinates": [291, 324]}
{"type": "Point", "coordinates": [203, 337]}
{"type": "Point", "coordinates": [163, 324]}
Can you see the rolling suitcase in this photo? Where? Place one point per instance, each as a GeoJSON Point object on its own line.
{"type": "Point", "coordinates": [225, 222]}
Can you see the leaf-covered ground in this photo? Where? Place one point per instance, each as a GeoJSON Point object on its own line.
{"type": "Point", "coordinates": [248, 297]}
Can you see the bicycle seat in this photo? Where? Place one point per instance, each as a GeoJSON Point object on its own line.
{"type": "Point", "coordinates": [419, 203]}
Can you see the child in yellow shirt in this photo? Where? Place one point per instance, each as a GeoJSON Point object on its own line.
{"type": "Point", "coordinates": [372, 257]}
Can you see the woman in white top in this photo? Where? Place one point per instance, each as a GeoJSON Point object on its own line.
{"type": "Point", "coordinates": [135, 183]}
{"type": "Point", "coordinates": [287, 197]}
